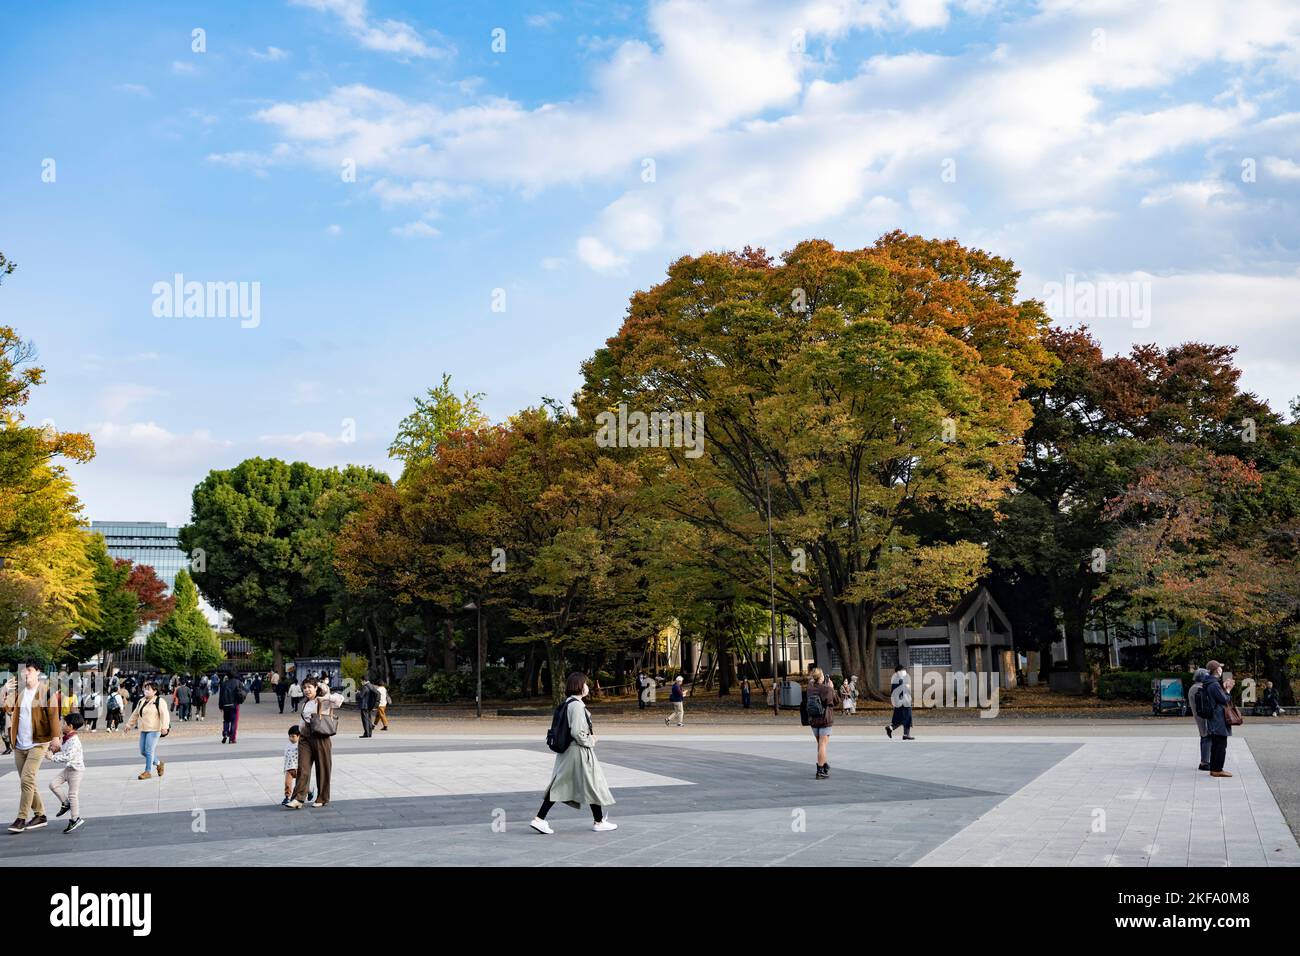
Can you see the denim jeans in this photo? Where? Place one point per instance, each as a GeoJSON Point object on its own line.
{"type": "Point", "coordinates": [148, 743]}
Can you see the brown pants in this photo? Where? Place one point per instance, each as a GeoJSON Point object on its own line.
{"type": "Point", "coordinates": [381, 716]}
{"type": "Point", "coordinates": [28, 763]}
{"type": "Point", "coordinates": [317, 751]}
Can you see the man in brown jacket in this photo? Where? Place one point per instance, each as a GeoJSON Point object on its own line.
{"type": "Point", "coordinates": [34, 723]}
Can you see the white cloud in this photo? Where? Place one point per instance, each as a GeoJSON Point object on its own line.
{"type": "Point", "coordinates": [307, 393]}
{"type": "Point", "coordinates": [1281, 168]}
{"type": "Point", "coordinates": [384, 36]}
{"type": "Point", "coordinates": [599, 256]}
{"type": "Point", "coordinates": [334, 229]}
{"type": "Point", "coordinates": [135, 89]}
{"type": "Point", "coordinates": [181, 68]}
{"type": "Point", "coordinates": [543, 21]}
{"type": "Point", "coordinates": [150, 442]}
{"type": "Point", "coordinates": [418, 229]}
{"type": "Point", "coordinates": [116, 398]}
{"type": "Point", "coordinates": [272, 53]}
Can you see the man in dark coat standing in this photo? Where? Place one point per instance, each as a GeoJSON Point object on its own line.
{"type": "Point", "coordinates": [231, 696]}
{"type": "Point", "coordinates": [1219, 730]}
{"type": "Point", "coordinates": [367, 700]}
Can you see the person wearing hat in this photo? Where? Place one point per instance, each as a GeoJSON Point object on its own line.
{"type": "Point", "coordinates": [1198, 684]}
{"type": "Point", "coordinates": [678, 699]}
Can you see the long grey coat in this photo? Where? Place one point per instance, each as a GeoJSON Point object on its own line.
{"type": "Point", "coordinates": [1198, 679]}
{"type": "Point", "coordinates": [577, 778]}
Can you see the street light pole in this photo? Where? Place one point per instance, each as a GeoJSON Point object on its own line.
{"type": "Point", "coordinates": [476, 607]}
{"type": "Point", "coordinates": [771, 571]}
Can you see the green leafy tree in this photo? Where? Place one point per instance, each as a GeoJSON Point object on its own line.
{"type": "Point", "coordinates": [185, 642]}
{"type": "Point", "coordinates": [118, 605]}
{"type": "Point", "coordinates": [264, 531]}
{"type": "Point", "coordinates": [436, 416]}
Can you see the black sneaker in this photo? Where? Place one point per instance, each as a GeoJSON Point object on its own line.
{"type": "Point", "coordinates": [821, 772]}
{"type": "Point", "coordinates": [18, 826]}
{"type": "Point", "coordinates": [74, 825]}
{"type": "Point", "coordinates": [64, 809]}
{"type": "Point", "coordinates": [826, 769]}
{"type": "Point", "coordinates": [36, 822]}
{"type": "Point", "coordinates": [1204, 766]}
{"type": "Point", "coordinates": [889, 731]}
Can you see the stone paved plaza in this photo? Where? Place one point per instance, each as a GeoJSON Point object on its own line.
{"type": "Point", "coordinates": [1042, 793]}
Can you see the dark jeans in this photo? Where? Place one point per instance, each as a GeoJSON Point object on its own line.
{"type": "Point", "coordinates": [280, 699]}
{"type": "Point", "coordinates": [257, 696]}
{"type": "Point", "coordinates": [229, 722]}
{"type": "Point", "coordinates": [1218, 751]}
{"type": "Point", "coordinates": [183, 711]}
{"type": "Point", "coordinates": [597, 813]}
{"type": "Point", "coordinates": [1205, 750]}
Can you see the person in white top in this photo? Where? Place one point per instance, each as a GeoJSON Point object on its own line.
{"type": "Point", "coordinates": [315, 746]}
{"type": "Point", "coordinates": [381, 708]}
{"type": "Point", "coordinates": [295, 695]}
{"type": "Point", "coordinates": [34, 723]}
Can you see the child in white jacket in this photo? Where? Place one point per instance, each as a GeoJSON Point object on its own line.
{"type": "Point", "coordinates": [70, 756]}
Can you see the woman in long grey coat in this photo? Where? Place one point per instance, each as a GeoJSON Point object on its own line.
{"type": "Point", "coordinates": [1198, 682]}
{"type": "Point", "coordinates": [577, 777]}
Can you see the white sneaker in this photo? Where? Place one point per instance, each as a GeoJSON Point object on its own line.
{"type": "Point", "coordinates": [540, 825]}
{"type": "Point", "coordinates": [604, 825]}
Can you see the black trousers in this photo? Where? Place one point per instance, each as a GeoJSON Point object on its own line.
{"type": "Point", "coordinates": [597, 813]}
{"type": "Point", "coordinates": [367, 723]}
{"type": "Point", "coordinates": [280, 698]}
{"type": "Point", "coordinates": [1218, 751]}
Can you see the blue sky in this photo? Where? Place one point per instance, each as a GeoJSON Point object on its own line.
{"type": "Point", "coordinates": [1151, 146]}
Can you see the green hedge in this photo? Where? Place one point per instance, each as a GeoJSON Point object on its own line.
{"type": "Point", "coordinates": [1135, 685]}
{"type": "Point", "coordinates": [498, 683]}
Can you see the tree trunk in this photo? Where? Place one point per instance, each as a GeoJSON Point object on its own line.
{"type": "Point", "coordinates": [526, 684]}
{"type": "Point", "coordinates": [448, 646]}
{"type": "Point", "coordinates": [555, 664]}
{"type": "Point", "coordinates": [277, 655]}
{"type": "Point", "coordinates": [1074, 643]}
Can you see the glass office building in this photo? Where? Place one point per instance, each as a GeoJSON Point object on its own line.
{"type": "Point", "coordinates": [156, 544]}
{"type": "Point", "coordinates": [145, 542]}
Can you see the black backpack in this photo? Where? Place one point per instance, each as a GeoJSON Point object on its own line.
{"type": "Point", "coordinates": [559, 736]}
{"type": "Point", "coordinates": [1204, 702]}
{"type": "Point", "coordinates": [816, 706]}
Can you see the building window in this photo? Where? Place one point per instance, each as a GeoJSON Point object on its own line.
{"type": "Point", "coordinates": [932, 655]}
{"type": "Point", "coordinates": [888, 657]}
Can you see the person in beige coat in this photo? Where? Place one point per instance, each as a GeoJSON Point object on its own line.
{"type": "Point", "coordinates": [155, 721]}
{"type": "Point", "coordinates": [577, 778]}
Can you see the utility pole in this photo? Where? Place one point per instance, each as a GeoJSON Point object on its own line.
{"type": "Point", "coordinates": [771, 572]}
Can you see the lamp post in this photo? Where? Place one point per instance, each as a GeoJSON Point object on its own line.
{"type": "Point", "coordinates": [478, 657]}
{"type": "Point", "coordinates": [771, 571]}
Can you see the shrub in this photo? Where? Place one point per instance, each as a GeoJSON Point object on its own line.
{"type": "Point", "coordinates": [413, 683]}
{"type": "Point", "coordinates": [1135, 685]}
{"type": "Point", "coordinates": [354, 666]}
{"type": "Point", "coordinates": [444, 687]}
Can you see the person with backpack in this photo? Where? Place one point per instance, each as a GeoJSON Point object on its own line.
{"type": "Point", "coordinates": [576, 777]}
{"type": "Point", "coordinates": [677, 698]}
{"type": "Point", "coordinates": [155, 721]}
{"type": "Point", "coordinates": [818, 712]}
{"type": "Point", "coordinates": [232, 695]}
{"type": "Point", "coordinates": [316, 745]}
{"type": "Point", "coordinates": [1202, 727]}
{"type": "Point", "coordinates": [113, 710]}
{"type": "Point", "coordinates": [200, 699]}
{"type": "Point", "coordinates": [366, 700]}
{"type": "Point", "coordinates": [256, 688]}
{"type": "Point", "coordinates": [91, 702]}
{"type": "Point", "coordinates": [900, 695]}
{"type": "Point", "coordinates": [1213, 702]}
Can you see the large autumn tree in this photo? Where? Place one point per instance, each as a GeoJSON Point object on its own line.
{"type": "Point", "coordinates": [1095, 424]}
{"type": "Point", "coordinates": [862, 389]}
